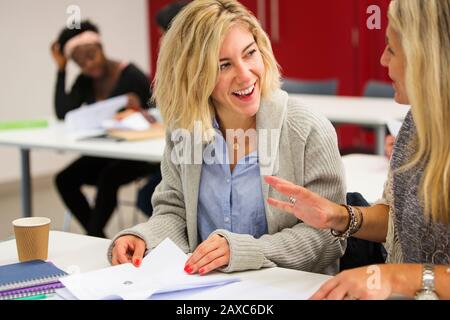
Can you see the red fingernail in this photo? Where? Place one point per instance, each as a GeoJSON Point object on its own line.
{"type": "Point", "coordinates": [137, 262]}
{"type": "Point", "coordinates": [188, 269]}
{"type": "Point", "coordinates": [201, 271]}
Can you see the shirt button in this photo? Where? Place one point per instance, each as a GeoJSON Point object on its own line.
{"type": "Point", "coordinates": [228, 180]}
{"type": "Point", "coordinates": [227, 219]}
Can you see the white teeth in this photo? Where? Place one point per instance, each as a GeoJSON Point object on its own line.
{"type": "Point", "coordinates": [245, 91]}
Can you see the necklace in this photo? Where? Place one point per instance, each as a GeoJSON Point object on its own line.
{"type": "Point", "coordinates": [236, 145]}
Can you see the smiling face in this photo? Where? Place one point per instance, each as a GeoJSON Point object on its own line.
{"type": "Point", "coordinates": [238, 89]}
{"type": "Point", "coordinates": [90, 59]}
{"type": "Point", "coordinates": [394, 59]}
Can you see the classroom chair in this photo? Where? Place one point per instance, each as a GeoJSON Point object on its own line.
{"type": "Point", "coordinates": [324, 87]}
{"type": "Point", "coordinates": [375, 88]}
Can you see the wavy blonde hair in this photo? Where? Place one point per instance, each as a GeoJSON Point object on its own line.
{"type": "Point", "coordinates": [423, 28]}
{"type": "Point", "coordinates": [188, 61]}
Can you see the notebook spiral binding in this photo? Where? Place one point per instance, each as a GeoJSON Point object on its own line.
{"type": "Point", "coordinates": [30, 291]}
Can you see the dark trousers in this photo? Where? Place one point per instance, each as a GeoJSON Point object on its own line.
{"type": "Point", "coordinates": [144, 197]}
{"type": "Point", "coordinates": [108, 175]}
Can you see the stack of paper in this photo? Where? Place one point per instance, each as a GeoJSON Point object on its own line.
{"type": "Point", "coordinates": [87, 120]}
{"type": "Point", "coordinates": [161, 271]}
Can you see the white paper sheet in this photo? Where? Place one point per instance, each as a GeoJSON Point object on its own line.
{"type": "Point", "coordinates": [161, 271]}
{"type": "Point", "coordinates": [87, 120]}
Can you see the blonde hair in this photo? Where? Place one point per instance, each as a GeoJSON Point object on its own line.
{"type": "Point", "coordinates": [188, 61]}
{"type": "Point", "coordinates": [423, 28]}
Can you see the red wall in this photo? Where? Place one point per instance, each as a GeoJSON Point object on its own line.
{"type": "Point", "coordinates": [317, 40]}
{"type": "Point", "coordinates": [152, 8]}
{"type": "Point", "coordinates": [371, 44]}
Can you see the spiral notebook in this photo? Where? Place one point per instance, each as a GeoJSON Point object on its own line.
{"type": "Point", "coordinates": [29, 278]}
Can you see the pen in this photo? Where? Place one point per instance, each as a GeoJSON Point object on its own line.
{"type": "Point", "coordinates": [36, 297]}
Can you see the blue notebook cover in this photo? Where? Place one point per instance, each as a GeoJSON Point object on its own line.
{"type": "Point", "coordinates": [27, 274]}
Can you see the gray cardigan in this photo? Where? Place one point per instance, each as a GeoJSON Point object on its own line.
{"type": "Point", "coordinates": [303, 149]}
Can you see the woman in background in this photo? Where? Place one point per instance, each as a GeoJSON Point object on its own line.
{"type": "Point", "coordinates": [101, 78]}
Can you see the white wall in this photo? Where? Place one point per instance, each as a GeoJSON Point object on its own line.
{"type": "Point", "coordinates": [28, 73]}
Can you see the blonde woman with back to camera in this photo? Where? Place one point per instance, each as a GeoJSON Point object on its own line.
{"type": "Point", "coordinates": [413, 216]}
{"type": "Point", "coordinates": [217, 85]}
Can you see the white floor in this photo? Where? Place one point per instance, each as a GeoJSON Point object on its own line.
{"type": "Point", "coordinates": [46, 202]}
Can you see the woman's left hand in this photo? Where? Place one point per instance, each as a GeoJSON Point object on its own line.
{"type": "Point", "coordinates": [365, 283]}
{"type": "Point", "coordinates": [308, 206]}
{"type": "Point", "coordinates": [211, 254]}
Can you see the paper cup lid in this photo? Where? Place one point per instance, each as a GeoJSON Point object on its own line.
{"type": "Point", "coordinates": [31, 222]}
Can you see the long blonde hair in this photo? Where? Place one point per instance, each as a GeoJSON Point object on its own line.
{"type": "Point", "coordinates": [188, 61]}
{"type": "Point", "coordinates": [423, 27]}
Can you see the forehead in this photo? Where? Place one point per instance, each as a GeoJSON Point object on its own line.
{"type": "Point", "coordinates": [82, 50]}
{"type": "Point", "coordinates": [236, 38]}
{"type": "Point", "coordinates": [391, 35]}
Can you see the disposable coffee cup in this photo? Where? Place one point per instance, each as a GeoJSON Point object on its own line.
{"type": "Point", "coordinates": [32, 238]}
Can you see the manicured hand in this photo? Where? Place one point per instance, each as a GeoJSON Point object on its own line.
{"type": "Point", "coordinates": [309, 207]}
{"type": "Point", "coordinates": [364, 283]}
{"type": "Point", "coordinates": [211, 254]}
{"type": "Point", "coordinates": [127, 249]}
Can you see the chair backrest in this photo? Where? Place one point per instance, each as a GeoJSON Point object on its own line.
{"type": "Point", "coordinates": [381, 89]}
{"type": "Point", "coordinates": [325, 87]}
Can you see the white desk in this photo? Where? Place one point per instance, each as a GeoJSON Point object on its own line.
{"type": "Point", "coordinates": [73, 252]}
{"type": "Point", "coordinates": [55, 138]}
{"type": "Point", "coordinates": [366, 174]}
{"type": "Point", "coordinates": [374, 112]}
{"type": "Point", "coordinates": [366, 111]}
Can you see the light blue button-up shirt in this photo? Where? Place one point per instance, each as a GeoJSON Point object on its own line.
{"type": "Point", "coordinates": [230, 200]}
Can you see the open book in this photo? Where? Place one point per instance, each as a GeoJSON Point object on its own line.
{"type": "Point", "coordinates": [161, 271]}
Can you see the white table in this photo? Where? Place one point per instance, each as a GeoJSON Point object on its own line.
{"type": "Point", "coordinates": [55, 138]}
{"type": "Point", "coordinates": [366, 174]}
{"type": "Point", "coordinates": [366, 111]}
{"type": "Point", "coordinates": [373, 112]}
{"type": "Point", "coordinates": [79, 253]}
